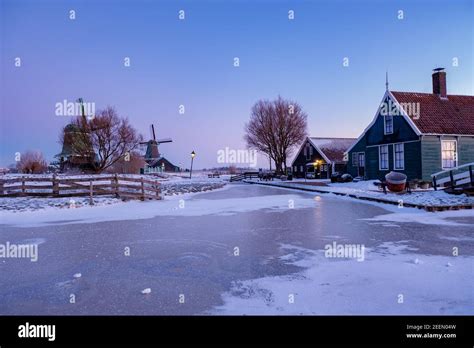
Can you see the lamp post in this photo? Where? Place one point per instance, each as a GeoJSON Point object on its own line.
{"type": "Point", "coordinates": [192, 159]}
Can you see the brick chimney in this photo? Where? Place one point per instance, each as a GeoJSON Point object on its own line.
{"type": "Point", "coordinates": [439, 82]}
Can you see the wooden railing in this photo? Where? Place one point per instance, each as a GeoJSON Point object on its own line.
{"type": "Point", "coordinates": [246, 175]}
{"type": "Point", "coordinates": [453, 177]}
{"type": "Point", "coordinates": [56, 186]}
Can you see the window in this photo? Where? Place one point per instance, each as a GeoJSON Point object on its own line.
{"type": "Point", "coordinates": [295, 169]}
{"type": "Point", "coordinates": [361, 159]}
{"type": "Point", "coordinates": [449, 156]}
{"type": "Point", "coordinates": [309, 151]}
{"type": "Point", "coordinates": [301, 169]}
{"type": "Point", "coordinates": [354, 159]}
{"type": "Point", "coordinates": [388, 124]}
{"type": "Point", "coordinates": [383, 157]}
{"type": "Point", "coordinates": [399, 156]}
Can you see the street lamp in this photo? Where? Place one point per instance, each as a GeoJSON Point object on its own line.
{"type": "Point", "coordinates": [192, 159]}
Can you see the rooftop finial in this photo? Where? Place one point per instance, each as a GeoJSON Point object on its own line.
{"type": "Point", "coordinates": [386, 80]}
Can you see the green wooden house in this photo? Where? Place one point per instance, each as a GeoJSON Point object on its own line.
{"type": "Point", "coordinates": [417, 134]}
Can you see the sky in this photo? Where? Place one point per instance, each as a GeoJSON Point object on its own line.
{"type": "Point", "coordinates": [190, 62]}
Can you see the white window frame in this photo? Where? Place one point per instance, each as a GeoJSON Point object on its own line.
{"type": "Point", "coordinates": [385, 124]}
{"type": "Point", "coordinates": [395, 157]}
{"type": "Point", "coordinates": [358, 160]}
{"type": "Point", "coordinates": [456, 155]}
{"type": "Point", "coordinates": [388, 155]}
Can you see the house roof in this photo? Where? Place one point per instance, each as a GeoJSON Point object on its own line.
{"type": "Point", "coordinates": [332, 148]}
{"type": "Point", "coordinates": [453, 115]}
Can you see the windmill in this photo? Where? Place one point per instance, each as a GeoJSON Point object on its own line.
{"type": "Point", "coordinates": [152, 153]}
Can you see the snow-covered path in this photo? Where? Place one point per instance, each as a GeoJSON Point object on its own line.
{"type": "Point", "coordinates": [244, 249]}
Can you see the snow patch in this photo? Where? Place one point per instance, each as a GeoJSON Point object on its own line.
{"type": "Point", "coordinates": [341, 287]}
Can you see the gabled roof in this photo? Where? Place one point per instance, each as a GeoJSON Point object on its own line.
{"type": "Point", "coordinates": [452, 115]}
{"type": "Point", "coordinates": [332, 149]}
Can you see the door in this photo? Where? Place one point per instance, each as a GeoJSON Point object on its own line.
{"type": "Point", "coordinates": [361, 164]}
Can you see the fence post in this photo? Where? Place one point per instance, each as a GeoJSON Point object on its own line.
{"type": "Point", "coordinates": [55, 185]}
{"type": "Point", "coordinates": [143, 189]}
{"type": "Point", "coordinates": [452, 178]}
{"type": "Point", "coordinates": [1, 187]}
{"type": "Point", "coordinates": [91, 192]}
{"type": "Point", "coordinates": [158, 190]}
{"type": "Point", "coordinates": [116, 185]}
{"type": "Point", "coordinates": [434, 183]}
{"type": "Point", "coordinates": [23, 190]}
{"type": "Point", "coordinates": [471, 176]}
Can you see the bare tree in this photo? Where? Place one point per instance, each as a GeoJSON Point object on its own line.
{"type": "Point", "coordinates": [276, 128]}
{"type": "Point", "coordinates": [32, 162]}
{"type": "Point", "coordinates": [105, 139]}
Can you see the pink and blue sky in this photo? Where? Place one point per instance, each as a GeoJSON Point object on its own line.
{"type": "Point", "coordinates": [190, 62]}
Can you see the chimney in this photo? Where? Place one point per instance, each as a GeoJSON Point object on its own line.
{"type": "Point", "coordinates": [439, 82]}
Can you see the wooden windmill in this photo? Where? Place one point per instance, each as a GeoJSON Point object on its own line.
{"type": "Point", "coordinates": [77, 150]}
{"type": "Point", "coordinates": [152, 153]}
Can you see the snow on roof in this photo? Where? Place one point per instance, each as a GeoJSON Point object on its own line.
{"type": "Point", "coordinates": [333, 148]}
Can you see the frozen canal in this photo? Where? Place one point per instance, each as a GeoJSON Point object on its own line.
{"type": "Point", "coordinates": [242, 250]}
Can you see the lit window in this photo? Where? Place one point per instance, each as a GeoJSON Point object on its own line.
{"type": "Point", "coordinates": [448, 154]}
{"type": "Point", "coordinates": [383, 157]}
{"type": "Point", "coordinates": [399, 162]}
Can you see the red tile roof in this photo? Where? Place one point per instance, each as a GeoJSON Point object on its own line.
{"type": "Point", "coordinates": [454, 115]}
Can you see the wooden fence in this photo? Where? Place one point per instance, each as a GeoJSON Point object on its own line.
{"type": "Point", "coordinates": [55, 186]}
{"type": "Point", "coordinates": [458, 176]}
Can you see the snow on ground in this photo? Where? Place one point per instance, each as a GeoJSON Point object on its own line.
{"type": "Point", "coordinates": [368, 189]}
{"type": "Point", "coordinates": [172, 206]}
{"type": "Point", "coordinates": [28, 204]}
{"type": "Point", "coordinates": [428, 284]}
{"type": "Point", "coordinates": [174, 185]}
